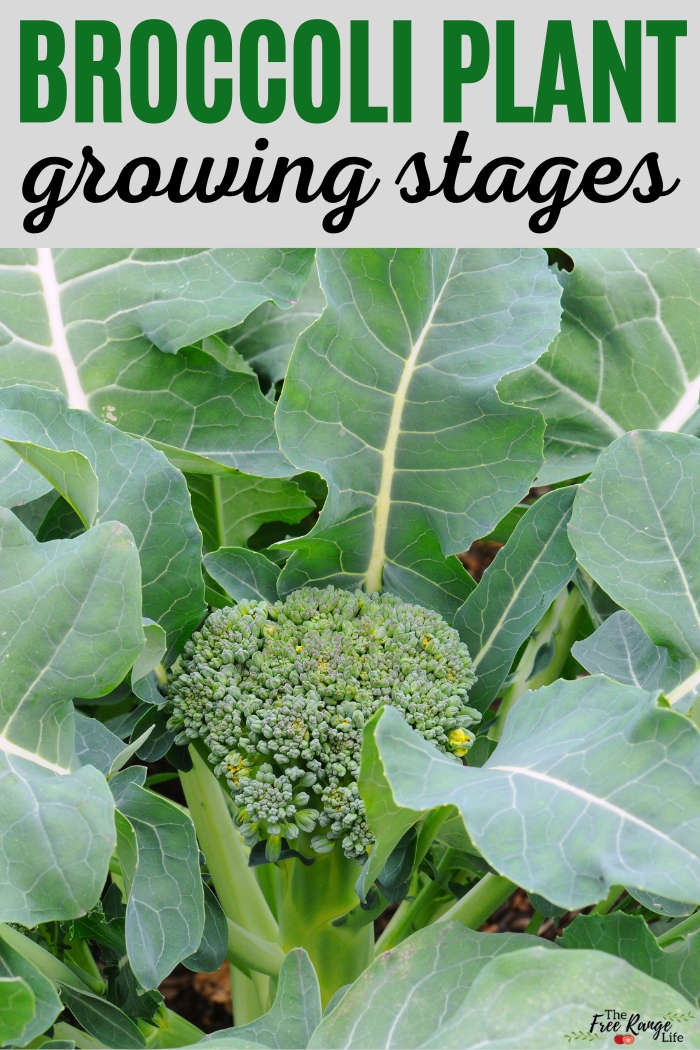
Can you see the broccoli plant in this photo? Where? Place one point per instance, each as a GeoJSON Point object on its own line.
{"type": "Point", "coordinates": [254, 709]}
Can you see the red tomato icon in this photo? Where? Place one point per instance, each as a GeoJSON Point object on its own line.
{"type": "Point", "coordinates": [623, 1039]}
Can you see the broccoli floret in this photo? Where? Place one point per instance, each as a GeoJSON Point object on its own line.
{"type": "Point", "coordinates": [280, 694]}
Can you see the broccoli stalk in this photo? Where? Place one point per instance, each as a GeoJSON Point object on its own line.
{"type": "Point", "coordinates": [280, 694]}
{"type": "Point", "coordinates": [308, 899]}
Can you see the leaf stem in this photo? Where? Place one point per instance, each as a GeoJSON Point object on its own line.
{"type": "Point", "coordinates": [605, 906]}
{"type": "Point", "coordinates": [246, 997]}
{"type": "Point", "coordinates": [534, 924]}
{"type": "Point", "coordinates": [676, 933]}
{"type": "Point", "coordinates": [481, 901]}
{"type": "Point", "coordinates": [236, 886]}
{"type": "Point", "coordinates": [49, 965]}
{"type": "Point", "coordinates": [240, 895]}
{"type": "Point", "coordinates": [406, 920]}
{"type": "Point", "coordinates": [247, 950]}
{"type": "Point", "coordinates": [557, 626]}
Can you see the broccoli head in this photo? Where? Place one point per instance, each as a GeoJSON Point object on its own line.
{"type": "Point", "coordinates": [280, 694]}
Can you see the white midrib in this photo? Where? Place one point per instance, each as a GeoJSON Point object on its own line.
{"type": "Point", "coordinates": [373, 576]}
{"type": "Point", "coordinates": [59, 344]}
{"type": "Point", "coordinates": [688, 403]}
{"type": "Point", "coordinates": [593, 800]}
{"type": "Point", "coordinates": [685, 408]}
{"type": "Point", "coordinates": [14, 749]}
{"type": "Point", "coordinates": [684, 688]}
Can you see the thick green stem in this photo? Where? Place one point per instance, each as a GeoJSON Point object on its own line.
{"type": "Point", "coordinates": [558, 625]}
{"type": "Point", "coordinates": [236, 886]}
{"type": "Point", "coordinates": [688, 925]}
{"type": "Point", "coordinates": [308, 899]}
{"type": "Point", "coordinates": [246, 997]}
{"type": "Point", "coordinates": [474, 908]}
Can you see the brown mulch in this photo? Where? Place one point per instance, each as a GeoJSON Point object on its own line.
{"type": "Point", "coordinates": [479, 556]}
{"type": "Point", "coordinates": [203, 999]}
{"type": "Point", "coordinates": [514, 917]}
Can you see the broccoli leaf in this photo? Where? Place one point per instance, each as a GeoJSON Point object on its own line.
{"type": "Point", "coordinates": [295, 1014]}
{"type": "Point", "coordinates": [92, 324]}
{"type": "Point", "coordinates": [244, 573]}
{"type": "Point", "coordinates": [160, 858]}
{"type": "Point", "coordinates": [19, 482]}
{"type": "Point", "coordinates": [633, 527]}
{"type": "Point", "coordinates": [46, 1006]}
{"type": "Point", "coordinates": [629, 937]}
{"type": "Point", "coordinates": [56, 839]}
{"type": "Point", "coordinates": [68, 472]}
{"type": "Point", "coordinates": [137, 486]}
{"type": "Point", "coordinates": [391, 397]}
{"type": "Point", "coordinates": [266, 338]}
{"type": "Point", "coordinates": [406, 993]}
{"type": "Point", "coordinates": [96, 745]}
{"type": "Point", "coordinates": [70, 624]}
{"type": "Point", "coordinates": [539, 998]}
{"type": "Point", "coordinates": [621, 650]}
{"type": "Point", "coordinates": [212, 948]}
{"type": "Point", "coordinates": [17, 1006]}
{"type": "Point", "coordinates": [569, 822]}
{"type": "Point", "coordinates": [627, 356]}
{"type": "Point", "coordinates": [516, 590]}
{"type": "Point", "coordinates": [103, 1019]}
{"type": "Point", "coordinates": [230, 509]}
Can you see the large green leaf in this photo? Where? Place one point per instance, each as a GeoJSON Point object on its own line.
{"type": "Point", "coordinates": [68, 472]}
{"type": "Point", "coordinates": [47, 1005]}
{"type": "Point", "coordinates": [634, 529]}
{"type": "Point", "coordinates": [266, 338]}
{"type": "Point", "coordinates": [56, 839]}
{"type": "Point", "coordinates": [629, 937]}
{"type": "Point", "coordinates": [388, 822]}
{"type": "Point", "coordinates": [621, 650]}
{"type": "Point", "coordinates": [97, 746]}
{"type": "Point", "coordinates": [295, 1013]}
{"type": "Point", "coordinates": [19, 483]}
{"type": "Point", "coordinates": [390, 396]}
{"type": "Point", "coordinates": [203, 416]}
{"type": "Point", "coordinates": [243, 573]}
{"type": "Point", "coordinates": [627, 357]}
{"type": "Point", "coordinates": [211, 952]}
{"type": "Point", "coordinates": [103, 1019]}
{"type": "Point", "coordinates": [516, 590]}
{"type": "Point", "coordinates": [406, 993]}
{"type": "Point", "coordinates": [70, 624]}
{"type": "Point", "coordinates": [160, 858]}
{"type": "Point", "coordinates": [592, 785]}
{"type": "Point", "coordinates": [137, 486]}
{"type": "Point", "coordinates": [230, 509]}
{"type": "Point", "coordinates": [16, 1008]}
{"type": "Point", "coordinates": [547, 1000]}
{"type": "Point", "coordinates": [88, 322]}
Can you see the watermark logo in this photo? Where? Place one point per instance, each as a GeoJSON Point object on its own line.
{"type": "Point", "coordinates": [624, 1027]}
